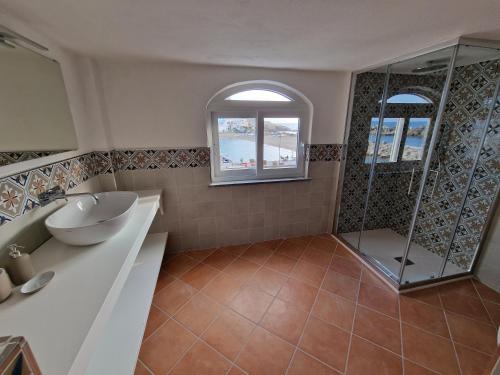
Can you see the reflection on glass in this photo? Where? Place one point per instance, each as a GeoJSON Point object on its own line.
{"type": "Point", "coordinates": [280, 142]}
{"type": "Point", "coordinates": [415, 138]}
{"type": "Point", "coordinates": [389, 141]}
{"type": "Point", "coordinates": [237, 143]}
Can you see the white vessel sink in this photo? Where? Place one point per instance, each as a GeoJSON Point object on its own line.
{"type": "Point", "coordinates": [85, 222]}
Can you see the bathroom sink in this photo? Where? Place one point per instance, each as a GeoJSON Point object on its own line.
{"type": "Point", "coordinates": [85, 221]}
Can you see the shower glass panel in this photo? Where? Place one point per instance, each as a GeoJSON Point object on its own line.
{"type": "Point", "coordinates": [366, 105]}
{"type": "Point", "coordinates": [474, 145]}
{"type": "Point", "coordinates": [413, 94]}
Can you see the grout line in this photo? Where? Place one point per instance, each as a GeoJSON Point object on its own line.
{"type": "Point", "coordinates": [451, 337]}
{"type": "Point", "coordinates": [482, 303]}
{"type": "Point", "coordinates": [145, 366]}
{"type": "Point", "coordinates": [310, 312]}
{"type": "Point", "coordinates": [354, 321]}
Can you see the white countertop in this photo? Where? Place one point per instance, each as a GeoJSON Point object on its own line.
{"type": "Point", "coordinates": [64, 321]}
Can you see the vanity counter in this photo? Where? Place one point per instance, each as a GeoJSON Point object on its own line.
{"type": "Point", "coordinates": [64, 322]}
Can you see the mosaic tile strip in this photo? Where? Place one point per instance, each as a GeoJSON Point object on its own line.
{"type": "Point", "coordinates": [131, 159]}
{"type": "Point", "coordinates": [19, 192]}
{"type": "Point", "coordinates": [12, 157]}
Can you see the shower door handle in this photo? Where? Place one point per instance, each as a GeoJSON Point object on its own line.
{"type": "Point", "coordinates": [435, 181]}
{"type": "Point", "coordinates": [411, 181]}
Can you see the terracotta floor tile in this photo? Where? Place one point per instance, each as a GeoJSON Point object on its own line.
{"type": "Point", "coordinates": [430, 351]}
{"type": "Point", "coordinates": [298, 293]}
{"type": "Point", "coordinates": [342, 251]}
{"type": "Point", "coordinates": [465, 305]}
{"type": "Point", "coordinates": [319, 257]}
{"type": "Point", "coordinates": [486, 293]}
{"type": "Point", "coordinates": [236, 371]}
{"type": "Point", "coordinates": [323, 244]}
{"type": "Point", "coordinates": [229, 333]}
{"type": "Point", "coordinates": [364, 358]}
{"type": "Point", "coordinates": [252, 303]}
{"type": "Point", "coordinates": [471, 361]}
{"type": "Point", "coordinates": [200, 275]}
{"type": "Point", "coordinates": [472, 333]}
{"type": "Point", "coordinates": [200, 255]}
{"type": "Point", "coordinates": [163, 280]}
{"type": "Point", "coordinates": [268, 280]}
{"type": "Point", "coordinates": [326, 342]}
{"type": "Point", "coordinates": [265, 354]}
{"type": "Point", "coordinates": [140, 369]}
{"type": "Point", "coordinates": [423, 316]}
{"type": "Point", "coordinates": [462, 287]}
{"type": "Point", "coordinates": [172, 297]}
{"type": "Point", "coordinates": [165, 347]}
{"type": "Point", "coordinates": [179, 265]}
{"type": "Point", "coordinates": [429, 296]}
{"type": "Point", "coordinates": [285, 320]}
{"type": "Point", "coordinates": [346, 266]}
{"type": "Point", "coordinates": [223, 288]}
{"type": "Point", "coordinates": [257, 253]}
{"type": "Point", "coordinates": [341, 284]}
{"type": "Point", "coordinates": [220, 259]}
{"type": "Point", "coordinates": [303, 364]}
{"type": "Point", "coordinates": [155, 319]}
{"type": "Point", "coordinates": [378, 328]}
{"type": "Point", "coordinates": [271, 244]}
{"type": "Point", "coordinates": [308, 273]}
{"type": "Point", "coordinates": [198, 313]}
{"type": "Point", "coordinates": [369, 277]}
{"type": "Point", "coordinates": [292, 248]}
{"type": "Point", "coordinates": [414, 369]}
{"type": "Point", "coordinates": [235, 250]}
{"type": "Point", "coordinates": [382, 300]}
{"type": "Point", "coordinates": [334, 310]}
{"type": "Point", "coordinates": [242, 269]}
{"type": "Point", "coordinates": [494, 311]}
{"type": "Point", "coordinates": [201, 359]}
{"type": "Point", "coordinates": [281, 263]}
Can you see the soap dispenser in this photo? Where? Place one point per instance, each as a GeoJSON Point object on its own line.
{"type": "Point", "coordinates": [19, 265]}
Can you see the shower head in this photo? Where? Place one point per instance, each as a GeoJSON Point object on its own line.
{"type": "Point", "coordinates": [432, 66]}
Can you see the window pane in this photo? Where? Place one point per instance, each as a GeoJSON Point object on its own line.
{"type": "Point", "coordinates": [415, 138]}
{"type": "Point", "coordinates": [259, 95]}
{"type": "Point", "coordinates": [389, 141]}
{"type": "Point", "coordinates": [408, 99]}
{"type": "Point", "coordinates": [237, 143]}
{"type": "Point", "coordinates": [281, 137]}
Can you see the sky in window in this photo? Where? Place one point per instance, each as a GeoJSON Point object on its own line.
{"type": "Point", "coordinates": [259, 95]}
{"type": "Point", "coordinates": [408, 99]}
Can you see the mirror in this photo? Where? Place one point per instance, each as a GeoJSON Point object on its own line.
{"type": "Point", "coordinates": [35, 119]}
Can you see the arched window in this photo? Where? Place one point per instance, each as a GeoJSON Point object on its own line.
{"type": "Point", "coordinates": [258, 130]}
{"type": "Point", "coordinates": [408, 99]}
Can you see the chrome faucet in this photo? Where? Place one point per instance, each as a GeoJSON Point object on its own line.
{"type": "Point", "coordinates": [57, 192]}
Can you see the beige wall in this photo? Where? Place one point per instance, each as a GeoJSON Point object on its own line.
{"type": "Point", "coordinates": [199, 216]}
{"type": "Point", "coordinates": [162, 105]}
{"type": "Point", "coordinates": [488, 269]}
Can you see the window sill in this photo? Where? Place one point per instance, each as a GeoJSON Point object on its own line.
{"type": "Point", "coordinates": [253, 182]}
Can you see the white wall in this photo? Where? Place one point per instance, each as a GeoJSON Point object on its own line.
{"type": "Point", "coordinates": [162, 105]}
{"type": "Point", "coordinates": [488, 270]}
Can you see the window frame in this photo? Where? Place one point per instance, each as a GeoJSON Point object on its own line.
{"type": "Point", "coordinates": [296, 107]}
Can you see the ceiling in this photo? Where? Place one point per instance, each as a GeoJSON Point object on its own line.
{"type": "Point", "coordinates": [299, 34]}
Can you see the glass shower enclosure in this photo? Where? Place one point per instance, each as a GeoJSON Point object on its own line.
{"type": "Point", "coordinates": [421, 171]}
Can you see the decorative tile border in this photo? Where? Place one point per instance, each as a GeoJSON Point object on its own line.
{"type": "Point", "coordinates": [12, 157]}
{"type": "Point", "coordinates": [324, 152]}
{"type": "Point", "coordinates": [19, 192]}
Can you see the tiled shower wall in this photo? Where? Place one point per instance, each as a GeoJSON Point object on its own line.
{"type": "Point", "coordinates": [464, 119]}
{"type": "Point", "coordinates": [201, 216]}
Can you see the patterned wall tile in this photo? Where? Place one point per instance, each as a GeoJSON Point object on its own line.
{"type": "Point", "coordinates": [11, 157]}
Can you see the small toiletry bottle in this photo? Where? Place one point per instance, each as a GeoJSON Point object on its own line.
{"type": "Point", "coordinates": [19, 266]}
{"type": "Point", "coordinates": [5, 285]}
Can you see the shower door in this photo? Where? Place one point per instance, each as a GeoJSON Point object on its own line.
{"type": "Point", "coordinates": [403, 140]}
{"type": "Point", "coordinates": [462, 180]}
